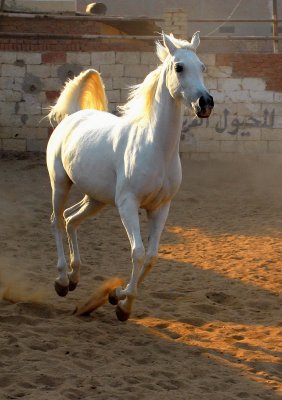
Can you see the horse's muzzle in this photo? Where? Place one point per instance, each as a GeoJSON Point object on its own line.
{"type": "Point", "coordinates": [203, 106]}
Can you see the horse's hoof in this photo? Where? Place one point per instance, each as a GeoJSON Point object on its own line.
{"type": "Point", "coordinates": [61, 290]}
{"type": "Point", "coordinates": [72, 286]}
{"type": "Point", "coordinates": [121, 314]}
{"type": "Point", "coordinates": [113, 298]}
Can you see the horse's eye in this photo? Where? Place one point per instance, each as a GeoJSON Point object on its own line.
{"type": "Point", "coordinates": [178, 67]}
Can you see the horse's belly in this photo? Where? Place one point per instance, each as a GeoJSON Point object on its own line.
{"type": "Point", "coordinates": [90, 169]}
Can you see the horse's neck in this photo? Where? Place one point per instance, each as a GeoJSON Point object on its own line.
{"type": "Point", "coordinates": [166, 129]}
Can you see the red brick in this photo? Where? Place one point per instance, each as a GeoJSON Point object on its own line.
{"type": "Point", "coordinates": [52, 95]}
{"type": "Point", "coordinates": [54, 58]}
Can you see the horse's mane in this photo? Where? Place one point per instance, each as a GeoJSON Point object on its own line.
{"type": "Point", "coordinates": [86, 91]}
{"type": "Point", "coordinates": [141, 98]}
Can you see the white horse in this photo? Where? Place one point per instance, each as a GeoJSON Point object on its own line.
{"type": "Point", "coordinates": [129, 161]}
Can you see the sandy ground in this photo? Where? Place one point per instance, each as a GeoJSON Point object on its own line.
{"type": "Point", "coordinates": [206, 323]}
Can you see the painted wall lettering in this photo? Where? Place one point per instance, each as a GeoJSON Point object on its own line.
{"type": "Point", "coordinates": [228, 124]}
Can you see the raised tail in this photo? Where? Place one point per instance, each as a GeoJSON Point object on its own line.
{"type": "Point", "coordinates": [85, 91]}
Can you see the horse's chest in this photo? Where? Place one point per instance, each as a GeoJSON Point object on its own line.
{"type": "Point", "coordinates": [159, 191]}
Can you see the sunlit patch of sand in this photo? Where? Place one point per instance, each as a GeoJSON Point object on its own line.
{"type": "Point", "coordinates": [255, 260]}
{"type": "Point", "coordinates": [249, 348]}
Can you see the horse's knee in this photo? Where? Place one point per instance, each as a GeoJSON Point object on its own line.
{"type": "Point", "coordinates": [138, 254]}
{"type": "Point", "coordinates": [57, 223]}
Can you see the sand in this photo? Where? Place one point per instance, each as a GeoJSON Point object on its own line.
{"type": "Point", "coordinates": [206, 322]}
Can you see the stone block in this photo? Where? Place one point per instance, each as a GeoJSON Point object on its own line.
{"type": "Point", "coordinates": [208, 59]}
{"type": "Point", "coordinates": [271, 134]}
{"type": "Point", "coordinates": [102, 57]}
{"type": "Point", "coordinates": [219, 72]}
{"type": "Point", "coordinates": [113, 96]}
{"type": "Point", "coordinates": [230, 84]}
{"type": "Point", "coordinates": [108, 83]}
{"type": "Point", "coordinates": [238, 96]}
{"type": "Point", "coordinates": [123, 82]}
{"type": "Point", "coordinates": [199, 156]}
{"type": "Point", "coordinates": [14, 144]}
{"type": "Point", "coordinates": [13, 70]}
{"type": "Point", "coordinates": [187, 147]}
{"type": "Point", "coordinates": [10, 95]}
{"type": "Point", "coordinates": [8, 57]}
{"type": "Point", "coordinates": [40, 133]}
{"type": "Point", "coordinates": [39, 145]}
{"type": "Point", "coordinates": [128, 57]}
{"type": "Point", "coordinates": [29, 57]}
{"type": "Point", "coordinates": [7, 108]}
{"type": "Point", "coordinates": [124, 95]}
{"type": "Point", "coordinates": [277, 97]}
{"type": "Point", "coordinates": [30, 106]}
{"type": "Point", "coordinates": [253, 84]}
{"type": "Point", "coordinates": [252, 146]}
{"type": "Point", "coordinates": [113, 108]}
{"type": "Point", "coordinates": [111, 71]}
{"type": "Point", "coordinates": [229, 146]}
{"type": "Point", "coordinates": [262, 96]}
{"type": "Point", "coordinates": [227, 157]}
{"type": "Point", "coordinates": [41, 71]}
{"type": "Point", "coordinates": [219, 97]}
{"type": "Point", "coordinates": [149, 58]}
{"type": "Point", "coordinates": [81, 58]}
{"type": "Point", "coordinates": [52, 84]}
{"type": "Point", "coordinates": [211, 83]}
{"type": "Point", "coordinates": [6, 132]}
{"type": "Point", "coordinates": [6, 83]}
{"type": "Point", "coordinates": [136, 71]}
{"type": "Point", "coordinates": [249, 109]}
{"type": "Point", "coordinates": [208, 146]}
{"type": "Point", "coordinates": [10, 120]}
{"type": "Point", "coordinates": [36, 121]}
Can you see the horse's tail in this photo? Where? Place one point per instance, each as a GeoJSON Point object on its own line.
{"type": "Point", "coordinates": [85, 91]}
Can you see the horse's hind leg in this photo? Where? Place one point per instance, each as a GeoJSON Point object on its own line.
{"type": "Point", "coordinates": [74, 216]}
{"type": "Point", "coordinates": [60, 191]}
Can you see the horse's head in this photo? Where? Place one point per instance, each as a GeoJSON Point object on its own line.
{"type": "Point", "coordinates": [184, 77]}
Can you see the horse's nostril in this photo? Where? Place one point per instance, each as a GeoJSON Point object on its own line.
{"type": "Point", "coordinates": [210, 101]}
{"type": "Point", "coordinates": [205, 101]}
{"type": "Point", "coordinates": [202, 102]}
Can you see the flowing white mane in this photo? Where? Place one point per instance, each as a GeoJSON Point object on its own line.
{"type": "Point", "coordinates": [141, 98]}
{"type": "Point", "coordinates": [140, 105]}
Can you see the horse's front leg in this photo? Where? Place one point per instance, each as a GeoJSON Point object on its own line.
{"type": "Point", "coordinates": [156, 219]}
{"type": "Point", "coordinates": [128, 210]}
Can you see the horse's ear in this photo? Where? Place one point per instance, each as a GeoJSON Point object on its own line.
{"type": "Point", "coordinates": [162, 51]}
{"type": "Point", "coordinates": [195, 41]}
{"type": "Point", "coordinates": [169, 44]}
